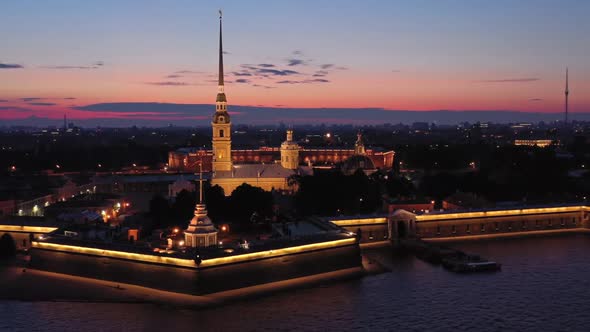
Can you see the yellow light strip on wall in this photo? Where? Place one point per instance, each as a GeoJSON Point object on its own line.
{"type": "Point", "coordinates": [499, 213]}
{"type": "Point", "coordinates": [114, 254]}
{"type": "Point", "coordinates": [278, 252]}
{"type": "Point", "coordinates": [190, 262]}
{"type": "Point", "coordinates": [27, 229]}
{"type": "Point", "coordinates": [365, 221]}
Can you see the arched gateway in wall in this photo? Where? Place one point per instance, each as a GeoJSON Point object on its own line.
{"type": "Point", "coordinates": [401, 225]}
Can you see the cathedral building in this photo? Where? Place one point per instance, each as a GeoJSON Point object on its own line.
{"type": "Point", "coordinates": [267, 167]}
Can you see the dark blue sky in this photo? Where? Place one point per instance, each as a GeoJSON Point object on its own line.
{"type": "Point", "coordinates": [397, 55]}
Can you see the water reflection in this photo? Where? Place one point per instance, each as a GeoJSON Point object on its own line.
{"type": "Point", "coordinates": [542, 287]}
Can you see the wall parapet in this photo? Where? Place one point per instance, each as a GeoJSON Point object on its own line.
{"type": "Point", "coordinates": [190, 263]}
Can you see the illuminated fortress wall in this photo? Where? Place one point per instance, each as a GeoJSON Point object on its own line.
{"type": "Point", "coordinates": [370, 229]}
{"type": "Point", "coordinates": [182, 275]}
{"type": "Point", "coordinates": [21, 235]}
{"type": "Point", "coordinates": [469, 225]}
{"type": "Point", "coordinates": [502, 223]}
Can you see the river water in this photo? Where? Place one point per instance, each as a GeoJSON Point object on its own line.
{"type": "Point", "coordinates": [544, 285]}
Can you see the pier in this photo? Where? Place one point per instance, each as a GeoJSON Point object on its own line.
{"type": "Point", "coordinates": [451, 259]}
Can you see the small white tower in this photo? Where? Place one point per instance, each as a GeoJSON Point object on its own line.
{"type": "Point", "coordinates": [290, 152]}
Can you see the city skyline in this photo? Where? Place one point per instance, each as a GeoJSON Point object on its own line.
{"type": "Point", "coordinates": [380, 59]}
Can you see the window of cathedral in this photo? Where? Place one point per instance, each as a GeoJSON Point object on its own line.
{"type": "Point", "coordinates": [221, 133]}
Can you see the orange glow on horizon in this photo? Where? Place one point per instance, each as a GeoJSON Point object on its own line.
{"type": "Point", "coordinates": [413, 91]}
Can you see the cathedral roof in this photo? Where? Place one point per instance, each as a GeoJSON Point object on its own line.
{"type": "Point", "coordinates": [251, 171]}
{"type": "Point", "coordinates": [356, 162]}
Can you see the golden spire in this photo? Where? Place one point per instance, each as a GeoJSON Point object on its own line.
{"type": "Point", "coordinates": [220, 51]}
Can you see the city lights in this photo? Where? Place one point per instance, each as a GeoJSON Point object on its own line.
{"type": "Point", "coordinates": [303, 158]}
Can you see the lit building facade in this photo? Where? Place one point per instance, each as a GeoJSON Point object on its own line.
{"type": "Point", "coordinates": [533, 142]}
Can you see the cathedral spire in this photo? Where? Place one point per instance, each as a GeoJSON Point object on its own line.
{"type": "Point", "coordinates": [220, 52]}
{"type": "Point", "coordinates": [221, 142]}
{"type": "Point", "coordinates": [220, 85]}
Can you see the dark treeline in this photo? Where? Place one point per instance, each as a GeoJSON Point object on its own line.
{"type": "Point", "coordinates": [246, 206]}
{"type": "Point", "coordinates": [99, 158]}
{"type": "Point", "coordinates": [332, 193]}
{"type": "Point", "coordinates": [511, 174]}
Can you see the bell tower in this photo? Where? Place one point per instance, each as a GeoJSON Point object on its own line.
{"type": "Point", "coordinates": [290, 152]}
{"type": "Point", "coordinates": [221, 122]}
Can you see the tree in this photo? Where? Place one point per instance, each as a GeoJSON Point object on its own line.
{"type": "Point", "coordinates": [246, 200]}
{"type": "Point", "coordinates": [7, 246]}
{"type": "Point", "coordinates": [331, 193]}
{"type": "Point", "coordinates": [399, 187]}
{"type": "Point", "coordinates": [293, 181]}
{"type": "Point", "coordinates": [184, 206]}
{"type": "Point", "coordinates": [160, 211]}
{"type": "Point", "coordinates": [216, 202]}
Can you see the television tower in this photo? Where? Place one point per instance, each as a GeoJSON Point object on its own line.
{"type": "Point", "coordinates": [567, 92]}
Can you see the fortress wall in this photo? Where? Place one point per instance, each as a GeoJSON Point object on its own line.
{"type": "Point", "coordinates": [521, 224]}
{"type": "Point", "coordinates": [371, 229]}
{"type": "Point", "coordinates": [465, 225]}
{"type": "Point", "coordinates": [198, 280]}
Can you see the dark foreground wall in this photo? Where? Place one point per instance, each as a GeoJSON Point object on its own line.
{"type": "Point", "coordinates": [197, 281]}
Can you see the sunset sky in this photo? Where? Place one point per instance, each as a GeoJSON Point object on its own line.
{"type": "Point", "coordinates": [62, 56]}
